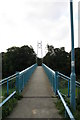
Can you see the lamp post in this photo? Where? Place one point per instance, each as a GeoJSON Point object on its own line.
{"type": "Point", "coordinates": [73, 76]}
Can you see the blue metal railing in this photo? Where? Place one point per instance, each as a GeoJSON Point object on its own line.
{"type": "Point", "coordinates": [15, 83]}
{"type": "Point", "coordinates": [58, 82]}
{"type": "Point", "coordinates": [51, 74]}
{"type": "Point", "coordinates": [23, 77]}
{"type": "Point", "coordinates": [67, 79]}
{"type": "Point", "coordinates": [65, 105]}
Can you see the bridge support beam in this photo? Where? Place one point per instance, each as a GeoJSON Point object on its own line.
{"type": "Point", "coordinates": [73, 76]}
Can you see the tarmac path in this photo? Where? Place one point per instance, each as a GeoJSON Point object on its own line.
{"type": "Point", "coordinates": [37, 101]}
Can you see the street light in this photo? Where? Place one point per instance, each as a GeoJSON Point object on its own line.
{"type": "Point", "coordinates": [73, 76]}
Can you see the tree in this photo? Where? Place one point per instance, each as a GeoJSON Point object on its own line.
{"type": "Point", "coordinates": [57, 59]}
{"type": "Point", "coordinates": [17, 59]}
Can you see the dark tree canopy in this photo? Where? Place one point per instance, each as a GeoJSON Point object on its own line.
{"type": "Point", "coordinates": [60, 60]}
{"type": "Point", "coordinates": [57, 59]}
{"type": "Point", "coordinates": [17, 59]}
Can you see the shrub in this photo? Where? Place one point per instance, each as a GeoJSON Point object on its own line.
{"type": "Point", "coordinates": [10, 104]}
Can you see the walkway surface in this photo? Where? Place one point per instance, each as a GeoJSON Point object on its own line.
{"type": "Point", "coordinates": [37, 101]}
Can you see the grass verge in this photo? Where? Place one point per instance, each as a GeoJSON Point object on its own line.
{"type": "Point", "coordinates": [10, 104]}
{"type": "Point", "coordinates": [61, 108]}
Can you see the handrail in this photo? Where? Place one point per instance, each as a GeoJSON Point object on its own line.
{"type": "Point", "coordinates": [49, 69]}
{"type": "Point", "coordinates": [66, 107]}
{"type": "Point", "coordinates": [5, 81]}
{"type": "Point", "coordinates": [14, 75]}
{"type": "Point", "coordinates": [64, 76]}
{"type": "Point", "coordinates": [1, 104]}
{"type": "Point", "coordinates": [77, 83]}
{"type": "Point", "coordinates": [8, 78]}
{"type": "Point", "coordinates": [68, 78]}
{"type": "Point", "coordinates": [20, 78]}
{"type": "Point", "coordinates": [55, 84]}
{"type": "Point", "coordinates": [26, 69]}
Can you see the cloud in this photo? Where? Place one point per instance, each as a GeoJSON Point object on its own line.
{"type": "Point", "coordinates": [28, 21]}
{"type": "Point", "coordinates": [45, 10]}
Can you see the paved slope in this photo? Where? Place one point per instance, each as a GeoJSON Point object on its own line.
{"type": "Point", "coordinates": [37, 101]}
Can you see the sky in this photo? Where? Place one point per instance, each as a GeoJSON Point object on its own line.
{"type": "Point", "coordinates": [26, 22]}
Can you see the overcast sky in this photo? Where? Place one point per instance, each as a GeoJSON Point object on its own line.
{"type": "Point", "coordinates": [24, 22]}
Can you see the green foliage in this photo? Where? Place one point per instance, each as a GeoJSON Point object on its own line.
{"type": "Point", "coordinates": [18, 96]}
{"type": "Point", "coordinates": [8, 107]}
{"type": "Point", "coordinates": [77, 112]}
{"type": "Point", "coordinates": [10, 104]}
{"type": "Point", "coordinates": [77, 61]}
{"type": "Point", "coordinates": [58, 59]}
{"type": "Point", "coordinates": [17, 59]}
{"type": "Point", "coordinates": [60, 107]}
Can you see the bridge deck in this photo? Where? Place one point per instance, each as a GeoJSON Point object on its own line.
{"type": "Point", "coordinates": [37, 101]}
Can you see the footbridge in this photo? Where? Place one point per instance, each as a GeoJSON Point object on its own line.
{"type": "Point", "coordinates": [40, 87]}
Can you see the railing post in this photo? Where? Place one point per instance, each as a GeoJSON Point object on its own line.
{"type": "Point", "coordinates": [7, 88]}
{"type": "Point", "coordinates": [73, 76]}
{"type": "Point", "coordinates": [17, 81]}
{"type": "Point", "coordinates": [56, 82]}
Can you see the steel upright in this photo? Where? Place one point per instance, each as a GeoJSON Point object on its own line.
{"type": "Point", "coordinates": [73, 76]}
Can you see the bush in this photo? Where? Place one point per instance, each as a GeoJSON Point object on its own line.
{"type": "Point", "coordinates": [18, 96]}
{"type": "Point", "coordinates": [60, 107]}
{"type": "Point", "coordinates": [10, 104]}
{"type": "Point", "coordinates": [8, 107]}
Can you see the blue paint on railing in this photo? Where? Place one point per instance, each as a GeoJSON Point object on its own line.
{"type": "Point", "coordinates": [55, 82]}
{"type": "Point", "coordinates": [21, 79]}
{"type": "Point", "coordinates": [66, 107]}
{"type": "Point", "coordinates": [9, 78]}
{"type": "Point", "coordinates": [64, 76]}
{"type": "Point", "coordinates": [50, 73]}
{"type": "Point", "coordinates": [11, 95]}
